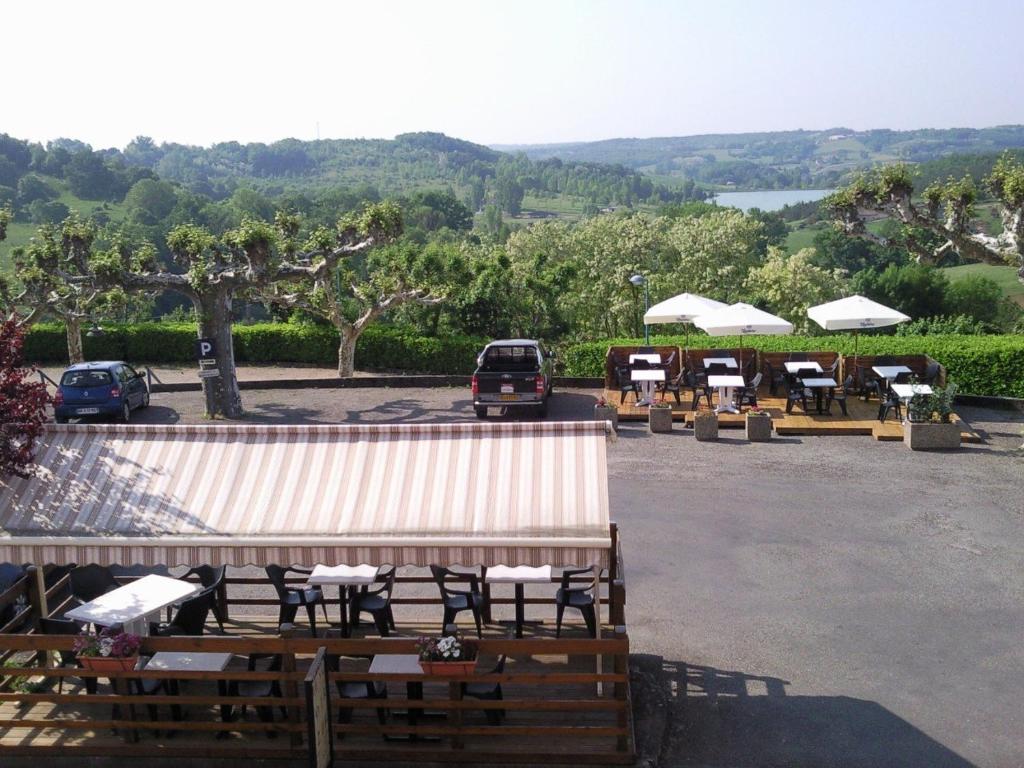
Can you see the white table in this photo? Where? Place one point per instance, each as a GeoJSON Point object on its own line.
{"type": "Point", "coordinates": [344, 576]}
{"type": "Point", "coordinates": [728, 362]}
{"type": "Point", "coordinates": [648, 376]}
{"type": "Point", "coordinates": [725, 386]}
{"type": "Point", "coordinates": [133, 605]}
{"type": "Point", "coordinates": [907, 391]}
{"type": "Point", "coordinates": [890, 371]}
{"type": "Point", "coordinates": [520, 576]}
{"type": "Point", "coordinates": [795, 367]}
{"type": "Point", "coordinates": [819, 385]}
{"type": "Point", "coordinates": [653, 359]}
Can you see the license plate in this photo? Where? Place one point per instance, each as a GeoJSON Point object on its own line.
{"type": "Point", "coordinates": [509, 397]}
{"type": "Point", "coordinates": [507, 389]}
{"type": "Point", "coordinates": [86, 411]}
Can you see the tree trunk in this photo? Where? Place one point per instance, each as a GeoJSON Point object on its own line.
{"type": "Point", "coordinates": [348, 336]}
{"type": "Point", "coordinates": [73, 328]}
{"type": "Point", "coordinates": [221, 392]}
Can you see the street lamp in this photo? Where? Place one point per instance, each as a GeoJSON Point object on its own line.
{"type": "Point", "coordinates": [637, 281]}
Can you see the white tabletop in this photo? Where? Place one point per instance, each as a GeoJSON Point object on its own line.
{"type": "Point", "coordinates": [343, 574]}
{"type": "Point", "coordinates": [823, 382]}
{"type": "Point", "coordinates": [173, 661]}
{"type": "Point", "coordinates": [396, 664]}
{"type": "Point", "coordinates": [906, 391]}
{"type": "Point", "coordinates": [890, 371]}
{"type": "Point", "coordinates": [134, 600]}
{"type": "Point", "coordinates": [649, 358]}
{"type": "Point", "coordinates": [794, 367]}
{"type": "Point", "coordinates": [522, 574]}
{"type": "Point", "coordinates": [728, 362]}
{"type": "Point", "coordinates": [647, 374]}
{"type": "Point", "coordinates": [726, 381]}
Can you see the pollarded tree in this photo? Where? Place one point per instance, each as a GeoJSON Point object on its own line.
{"type": "Point", "coordinates": [945, 210]}
{"type": "Point", "coordinates": [352, 298]}
{"type": "Point", "coordinates": [22, 404]}
{"type": "Point", "coordinates": [244, 261]}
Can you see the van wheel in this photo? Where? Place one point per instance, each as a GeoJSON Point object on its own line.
{"type": "Point", "coordinates": [126, 412]}
{"type": "Point", "coordinates": [481, 413]}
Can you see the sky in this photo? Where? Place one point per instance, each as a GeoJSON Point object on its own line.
{"type": "Point", "coordinates": [513, 72]}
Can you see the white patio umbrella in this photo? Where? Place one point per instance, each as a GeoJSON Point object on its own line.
{"type": "Point", "coordinates": [742, 320]}
{"type": "Point", "coordinates": [681, 309]}
{"type": "Point", "coordinates": [855, 313]}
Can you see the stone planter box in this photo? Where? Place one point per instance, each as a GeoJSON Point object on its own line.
{"type": "Point", "coordinates": [607, 413]}
{"type": "Point", "coordinates": [759, 427]}
{"type": "Point", "coordinates": [660, 419]}
{"type": "Point", "coordinates": [705, 425]}
{"type": "Point", "coordinates": [931, 437]}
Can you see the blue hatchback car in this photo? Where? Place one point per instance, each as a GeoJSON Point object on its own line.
{"type": "Point", "coordinates": [108, 388]}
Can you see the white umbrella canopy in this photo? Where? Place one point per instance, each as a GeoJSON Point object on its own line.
{"type": "Point", "coordinates": [742, 320]}
{"type": "Point", "coordinates": [854, 313]}
{"type": "Point", "coordinates": [680, 309]}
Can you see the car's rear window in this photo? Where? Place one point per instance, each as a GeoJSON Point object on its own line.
{"type": "Point", "coordinates": [85, 379]}
{"type": "Point", "coordinates": [510, 359]}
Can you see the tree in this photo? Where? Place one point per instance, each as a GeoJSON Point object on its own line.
{"type": "Point", "coordinates": [790, 285]}
{"type": "Point", "coordinates": [22, 404]}
{"type": "Point", "coordinates": [946, 211]}
{"type": "Point", "coordinates": [89, 177]}
{"type": "Point", "coordinates": [914, 289]}
{"type": "Point", "coordinates": [243, 261]}
{"type": "Point", "coordinates": [351, 299]}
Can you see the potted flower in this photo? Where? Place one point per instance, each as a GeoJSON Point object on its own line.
{"type": "Point", "coordinates": [930, 425]}
{"type": "Point", "coordinates": [448, 655]}
{"type": "Point", "coordinates": [111, 650]}
{"type": "Point", "coordinates": [605, 411]}
{"type": "Point", "coordinates": [759, 425]}
{"type": "Point", "coordinates": [659, 417]}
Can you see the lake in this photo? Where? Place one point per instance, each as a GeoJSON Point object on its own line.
{"type": "Point", "coordinates": [770, 199]}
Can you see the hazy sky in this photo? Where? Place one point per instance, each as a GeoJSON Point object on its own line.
{"type": "Point", "coordinates": [512, 72]}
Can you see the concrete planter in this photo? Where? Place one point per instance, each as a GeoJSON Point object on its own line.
{"type": "Point", "coordinates": [607, 413]}
{"type": "Point", "coordinates": [705, 425]}
{"type": "Point", "coordinates": [931, 437]}
{"type": "Point", "coordinates": [660, 419]}
{"type": "Point", "coordinates": [759, 427]}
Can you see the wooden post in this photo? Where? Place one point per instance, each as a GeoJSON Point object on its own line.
{"type": "Point", "coordinates": [291, 686]}
{"type": "Point", "coordinates": [40, 608]}
{"type": "Point", "coordinates": [621, 667]}
{"type": "Point", "coordinates": [455, 694]}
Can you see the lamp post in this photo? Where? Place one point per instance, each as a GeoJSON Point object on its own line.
{"type": "Point", "coordinates": [637, 281]}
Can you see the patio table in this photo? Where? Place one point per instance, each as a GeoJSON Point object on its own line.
{"type": "Point", "coordinates": [653, 359]}
{"type": "Point", "coordinates": [133, 605]}
{"type": "Point", "coordinates": [890, 371]}
{"type": "Point", "coordinates": [175, 661]}
{"type": "Point", "coordinates": [819, 386]}
{"type": "Point", "coordinates": [906, 391]}
{"type": "Point", "coordinates": [407, 665]}
{"type": "Point", "coordinates": [797, 367]}
{"type": "Point", "coordinates": [520, 576]}
{"type": "Point", "coordinates": [728, 362]}
{"type": "Point", "coordinates": [648, 376]}
{"type": "Point", "coordinates": [346, 577]}
{"type": "Point", "coordinates": [725, 385]}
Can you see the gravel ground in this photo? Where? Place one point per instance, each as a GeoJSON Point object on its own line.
{"type": "Point", "coordinates": [818, 601]}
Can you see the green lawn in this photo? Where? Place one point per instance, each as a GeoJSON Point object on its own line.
{"type": "Point", "coordinates": [802, 237]}
{"type": "Point", "coordinates": [1005, 276]}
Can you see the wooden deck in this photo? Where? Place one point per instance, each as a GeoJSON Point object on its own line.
{"type": "Point", "coordinates": [862, 418]}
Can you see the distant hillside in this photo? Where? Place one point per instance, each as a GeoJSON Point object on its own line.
{"type": "Point", "coordinates": [778, 160]}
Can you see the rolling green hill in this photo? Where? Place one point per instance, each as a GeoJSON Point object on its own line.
{"type": "Point", "coordinates": [1006, 277]}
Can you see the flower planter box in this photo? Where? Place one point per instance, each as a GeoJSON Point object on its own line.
{"type": "Point", "coordinates": [759, 427]}
{"type": "Point", "coordinates": [660, 419]}
{"type": "Point", "coordinates": [109, 663]}
{"type": "Point", "coordinates": [448, 668]}
{"type": "Point", "coordinates": [928, 436]}
{"type": "Point", "coordinates": [705, 425]}
{"type": "Point", "coordinates": [607, 413]}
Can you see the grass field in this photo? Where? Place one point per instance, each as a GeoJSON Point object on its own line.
{"type": "Point", "coordinates": [1006, 277]}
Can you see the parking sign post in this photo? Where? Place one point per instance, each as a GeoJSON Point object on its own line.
{"type": "Point", "coordinates": [206, 353]}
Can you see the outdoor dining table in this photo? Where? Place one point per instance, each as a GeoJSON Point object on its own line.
{"type": "Point", "coordinates": [652, 358]}
{"type": "Point", "coordinates": [135, 604]}
{"type": "Point", "coordinates": [890, 371]}
{"type": "Point", "coordinates": [648, 376]}
{"type": "Point", "coordinates": [804, 366]}
{"type": "Point", "coordinates": [520, 576]}
{"type": "Point", "coordinates": [728, 362]}
{"type": "Point", "coordinates": [346, 577]}
{"type": "Point", "coordinates": [197, 661]}
{"type": "Point", "coordinates": [819, 385]}
{"type": "Point", "coordinates": [906, 391]}
{"type": "Point", "coordinates": [407, 665]}
{"type": "Point", "coordinates": [725, 385]}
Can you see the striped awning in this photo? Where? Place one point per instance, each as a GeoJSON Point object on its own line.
{"type": "Point", "coordinates": [469, 494]}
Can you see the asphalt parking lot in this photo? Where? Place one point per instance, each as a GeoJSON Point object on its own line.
{"type": "Point", "coordinates": [818, 601]}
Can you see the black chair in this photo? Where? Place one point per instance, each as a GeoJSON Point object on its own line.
{"type": "Point", "coordinates": [776, 377]}
{"type": "Point", "coordinates": [581, 598]}
{"type": "Point", "coordinates": [890, 402]}
{"type": "Point", "coordinates": [260, 689]}
{"type": "Point", "coordinates": [798, 357]}
{"type": "Point", "coordinates": [747, 395]}
{"type": "Point", "coordinates": [840, 396]}
{"type": "Point", "coordinates": [673, 386]}
{"type": "Point", "coordinates": [10, 574]}
{"type": "Point", "coordinates": [717, 369]}
{"type": "Point", "coordinates": [148, 686]}
{"type": "Point", "coordinates": [830, 371]}
{"type": "Point", "coordinates": [931, 374]}
{"type": "Point", "coordinates": [457, 600]}
{"type": "Point", "coordinates": [66, 658]}
{"type": "Point", "coordinates": [668, 362]}
{"type": "Point", "coordinates": [376, 602]}
{"type": "Point", "coordinates": [190, 619]}
{"type": "Point", "coordinates": [90, 581]}
{"type": "Point", "coordinates": [699, 390]}
{"type": "Point", "coordinates": [904, 377]}
{"type": "Point", "coordinates": [625, 384]}
{"type": "Point", "coordinates": [213, 579]}
{"type": "Point", "coordinates": [293, 598]}
{"type": "Point", "coordinates": [488, 692]}
{"type": "Point", "coordinates": [795, 393]}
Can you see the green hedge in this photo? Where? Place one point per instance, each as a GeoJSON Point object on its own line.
{"type": "Point", "coordinates": [379, 348]}
{"type": "Point", "coordinates": [980, 365]}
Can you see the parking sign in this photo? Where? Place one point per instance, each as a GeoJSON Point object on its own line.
{"type": "Point", "coordinates": [205, 348]}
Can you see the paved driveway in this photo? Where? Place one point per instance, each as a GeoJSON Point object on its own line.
{"type": "Point", "coordinates": [818, 601]}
